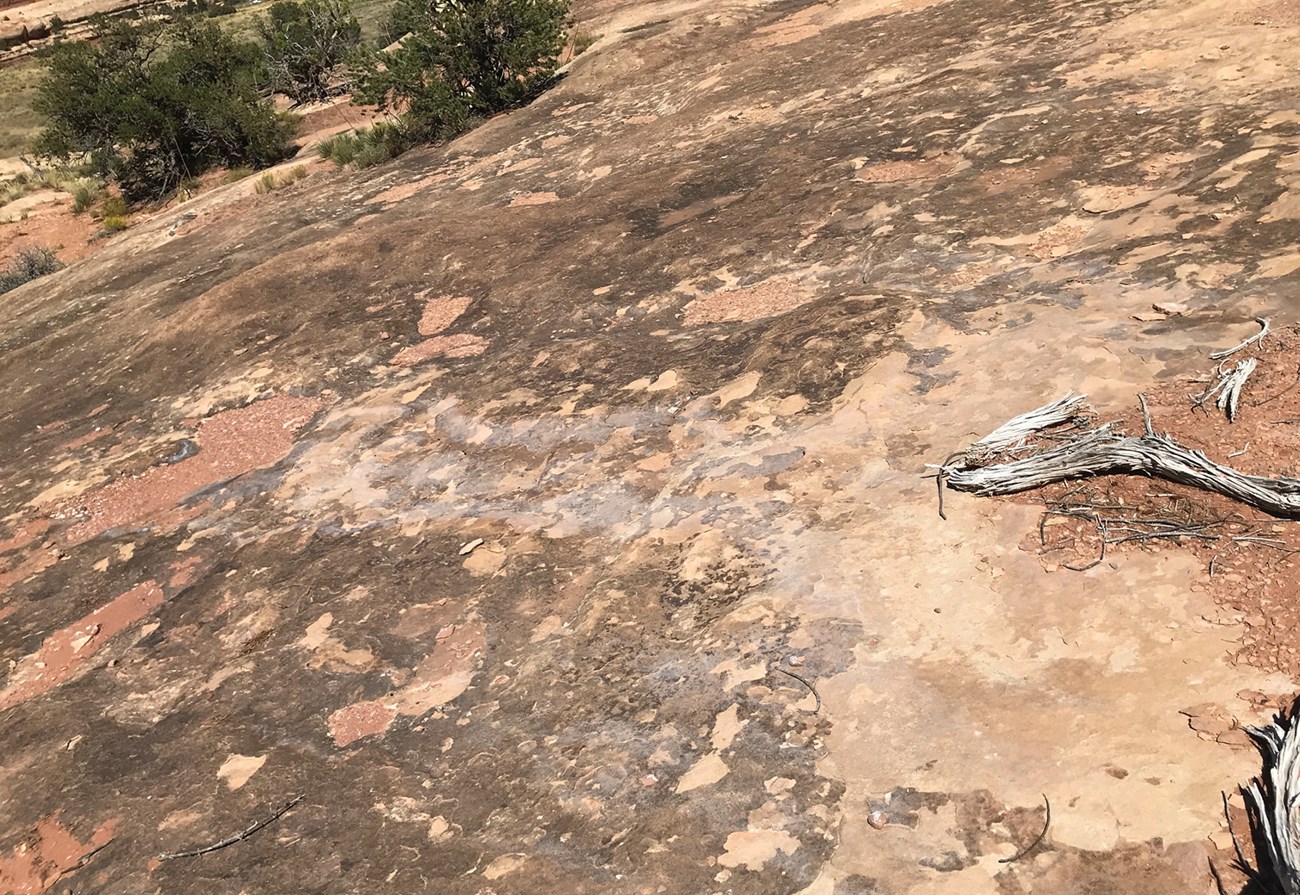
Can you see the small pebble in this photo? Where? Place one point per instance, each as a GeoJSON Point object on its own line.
{"type": "Point", "coordinates": [878, 819]}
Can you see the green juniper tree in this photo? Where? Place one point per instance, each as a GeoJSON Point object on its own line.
{"type": "Point", "coordinates": [151, 105]}
{"type": "Point", "coordinates": [463, 59]}
{"type": "Point", "coordinates": [306, 45]}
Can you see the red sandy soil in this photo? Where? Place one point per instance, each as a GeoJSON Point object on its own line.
{"type": "Point", "coordinates": [54, 225]}
{"type": "Point", "coordinates": [1255, 580]}
{"type": "Point", "coordinates": [462, 345]}
{"type": "Point", "coordinates": [441, 312]}
{"type": "Point", "coordinates": [66, 651]}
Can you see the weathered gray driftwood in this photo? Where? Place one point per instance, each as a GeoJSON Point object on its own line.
{"type": "Point", "coordinates": [1258, 337]}
{"type": "Point", "coordinates": [1228, 384]}
{"type": "Point", "coordinates": [1012, 434]}
{"type": "Point", "coordinates": [1103, 451]}
{"type": "Point", "coordinates": [1271, 802]}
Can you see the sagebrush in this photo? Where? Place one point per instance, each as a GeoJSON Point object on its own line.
{"type": "Point", "coordinates": [31, 264]}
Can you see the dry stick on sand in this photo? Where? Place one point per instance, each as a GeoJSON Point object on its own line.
{"type": "Point", "coordinates": [238, 837]}
{"type": "Point", "coordinates": [1258, 337]}
{"type": "Point", "coordinates": [1102, 451]}
{"type": "Point", "coordinates": [1033, 845]}
{"type": "Point", "coordinates": [811, 689]}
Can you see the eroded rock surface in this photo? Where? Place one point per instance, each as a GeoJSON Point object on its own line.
{"type": "Point", "coordinates": [673, 344]}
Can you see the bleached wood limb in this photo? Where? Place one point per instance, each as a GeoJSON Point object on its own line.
{"type": "Point", "coordinates": [1227, 385]}
{"type": "Point", "coordinates": [1012, 434]}
{"type": "Point", "coordinates": [1232, 384]}
{"type": "Point", "coordinates": [1271, 800]}
{"type": "Point", "coordinates": [1101, 451]}
{"type": "Point", "coordinates": [1258, 337]}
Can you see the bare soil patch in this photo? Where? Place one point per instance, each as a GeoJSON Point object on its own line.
{"type": "Point", "coordinates": [1251, 559]}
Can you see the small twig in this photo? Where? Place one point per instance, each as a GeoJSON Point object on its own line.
{"type": "Point", "coordinates": [1218, 881]}
{"type": "Point", "coordinates": [1266, 542]}
{"type": "Point", "coordinates": [1242, 864]}
{"type": "Point", "coordinates": [1101, 531]}
{"type": "Point", "coordinates": [1146, 414]}
{"type": "Point", "coordinates": [939, 479]}
{"type": "Point", "coordinates": [804, 681]}
{"type": "Point", "coordinates": [83, 860]}
{"type": "Point", "coordinates": [1149, 535]}
{"type": "Point", "coordinates": [238, 837]}
{"type": "Point", "coordinates": [1240, 452]}
{"type": "Point", "coordinates": [1033, 845]}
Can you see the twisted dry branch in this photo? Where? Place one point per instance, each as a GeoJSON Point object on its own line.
{"type": "Point", "coordinates": [1271, 800]}
{"type": "Point", "coordinates": [1103, 451]}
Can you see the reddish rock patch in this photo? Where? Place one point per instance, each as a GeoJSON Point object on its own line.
{"type": "Point", "coordinates": [527, 199]}
{"type": "Point", "coordinates": [231, 443]}
{"type": "Point", "coordinates": [766, 299]}
{"type": "Point", "coordinates": [919, 169]}
{"type": "Point", "coordinates": [441, 312]}
{"type": "Point", "coordinates": [362, 719]}
{"type": "Point", "coordinates": [82, 440]}
{"type": "Point", "coordinates": [25, 534]}
{"type": "Point", "coordinates": [464, 345]}
{"type": "Point", "coordinates": [186, 572]}
{"type": "Point", "coordinates": [440, 678]}
{"type": "Point", "coordinates": [66, 651]}
{"type": "Point", "coordinates": [45, 855]}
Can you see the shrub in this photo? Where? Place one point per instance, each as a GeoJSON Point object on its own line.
{"type": "Point", "coordinates": [236, 174]}
{"type": "Point", "coordinates": [306, 44]}
{"type": "Point", "coordinates": [462, 60]}
{"type": "Point", "coordinates": [372, 154]}
{"type": "Point", "coordinates": [113, 207]}
{"type": "Point", "coordinates": [37, 179]}
{"type": "Point", "coordinates": [151, 105]}
{"type": "Point", "coordinates": [325, 148]}
{"type": "Point", "coordinates": [113, 223]}
{"type": "Point", "coordinates": [343, 151]}
{"type": "Point", "coordinates": [582, 41]}
{"type": "Point", "coordinates": [269, 183]}
{"type": "Point", "coordinates": [29, 265]}
{"type": "Point", "coordinates": [83, 194]}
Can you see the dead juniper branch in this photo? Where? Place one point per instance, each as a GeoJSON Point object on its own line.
{"type": "Point", "coordinates": [1228, 385]}
{"type": "Point", "coordinates": [1258, 337]}
{"type": "Point", "coordinates": [1271, 805]}
{"type": "Point", "coordinates": [1012, 434]}
{"type": "Point", "coordinates": [1102, 451]}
